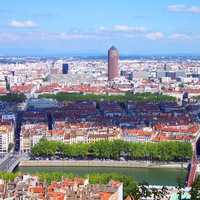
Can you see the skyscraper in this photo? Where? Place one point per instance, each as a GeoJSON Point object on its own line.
{"type": "Point", "coordinates": [113, 63]}
{"type": "Point", "coordinates": [65, 68]}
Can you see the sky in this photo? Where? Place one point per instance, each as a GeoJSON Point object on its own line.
{"type": "Point", "coordinates": [90, 27]}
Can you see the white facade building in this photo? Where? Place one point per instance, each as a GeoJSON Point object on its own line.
{"type": "Point", "coordinates": [6, 137]}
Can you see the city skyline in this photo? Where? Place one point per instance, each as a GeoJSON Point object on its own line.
{"type": "Point", "coordinates": [48, 28]}
{"type": "Point", "coordinates": [100, 99]}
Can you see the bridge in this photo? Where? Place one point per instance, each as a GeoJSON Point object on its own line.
{"type": "Point", "coordinates": [195, 162]}
{"type": "Point", "coordinates": [10, 162]}
{"type": "Point", "coordinates": [192, 172]}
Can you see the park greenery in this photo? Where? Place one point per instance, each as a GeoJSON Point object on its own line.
{"type": "Point", "coordinates": [162, 151]}
{"type": "Point", "coordinates": [138, 97]}
{"type": "Point", "coordinates": [7, 176]}
{"type": "Point", "coordinates": [10, 97]}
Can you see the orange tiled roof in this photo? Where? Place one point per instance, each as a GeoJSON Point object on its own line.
{"type": "Point", "coordinates": [3, 90]}
{"type": "Point", "coordinates": [138, 132]}
{"type": "Point", "coordinates": [183, 129]}
{"type": "Point", "coordinates": [105, 195]}
{"type": "Point", "coordinates": [56, 132]}
{"type": "Point", "coordinates": [38, 189]}
{"type": "Point", "coordinates": [22, 88]}
{"type": "Point", "coordinates": [56, 196]}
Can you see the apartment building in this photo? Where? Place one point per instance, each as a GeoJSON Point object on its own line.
{"type": "Point", "coordinates": [6, 136]}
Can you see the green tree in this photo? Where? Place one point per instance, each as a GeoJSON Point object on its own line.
{"type": "Point", "coordinates": [138, 97]}
{"type": "Point", "coordinates": [195, 190]}
{"type": "Point", "coordinates": [162, 151]}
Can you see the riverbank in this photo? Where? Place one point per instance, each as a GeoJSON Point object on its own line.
{"type": "Point", "coordinates": [96, 163]}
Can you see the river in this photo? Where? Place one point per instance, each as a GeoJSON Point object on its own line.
{"type": "Point", "coordinates": [149, 175]}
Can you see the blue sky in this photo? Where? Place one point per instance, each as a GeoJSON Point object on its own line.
{"type": "Point", "coordinates": [42, 27]}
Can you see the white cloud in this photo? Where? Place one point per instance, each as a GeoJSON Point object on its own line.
{"type": "Point", "coordinates": [180, 36]}
{"type": "Point", "coordinates": [184, 8]}
{"type": "Point", "coordinates": [154, 36]}
{"type": "Point", "coordinates": [74, 36]}
{"type": "Point", "coordinates": [125, 28]}
{"type": "Point", "coordinates": [101, 28]}
{"type": "Point", "coordinates": [22, 24]}
{"type": "Point", "coordinates": [122, 29]}
{"type": "Point", "coordinates": [8, 37]}
{"type": "Point", "coordinates": [38, 36]}
{"type": "Point", "coordinates": [60, 36]}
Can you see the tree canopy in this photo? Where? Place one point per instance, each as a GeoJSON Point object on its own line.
{"type": "Point", "coordinates": [13, 98]}
{"type": "Point", "coordinates": [138, 97]}
{"type": "Point", "coordinates": [161, 151]}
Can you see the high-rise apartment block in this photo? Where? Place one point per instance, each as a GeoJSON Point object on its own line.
{"type": "Point", "coordinates": [113, 63]}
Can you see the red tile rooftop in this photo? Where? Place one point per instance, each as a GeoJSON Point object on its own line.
{"type": "Point", "coordinates": [182, 129]}
{"type": "Point", "coordinates": [37, 189]}
{"type": "Point", "coordinates": [66, 182]}
{"type": "Point", "coordinates": [138, 132]}
{"type": "Point", "coordinates": [105, 195]}
{"type": "Point", "coordinates": [77, 89]}
{"type": "Point", "coordinates": [56, 196]}
{"type": "Point", "coordinates": [3, 90]}
{"type": "Point", "coordinates": [22, 88]}
{"type": "Point", "coordinates": [56, 132]}
{"type": "Point", "coordinates": [49, 88]}
{"type": "Point", "coordinates": [163, 137]}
